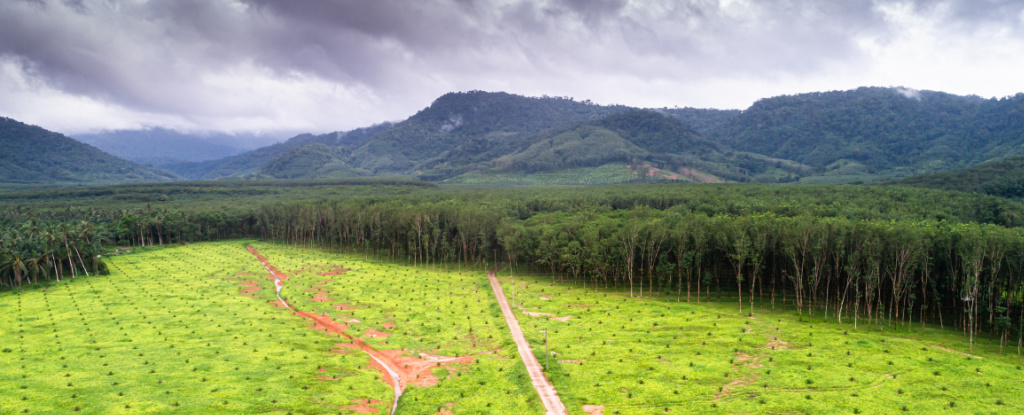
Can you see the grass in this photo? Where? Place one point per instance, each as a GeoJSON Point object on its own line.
{"type": "Point", "coordinates": [611, 173]}
{"type": "Point", "coordinates": [652, 355]}
{"type": "Point", "coordinates": [169, 330]}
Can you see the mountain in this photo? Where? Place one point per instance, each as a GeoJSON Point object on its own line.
{"type": "Point", "coordinates": [32, 156]}
{"type": "Point", "coordinates": [866, 134]}
{"type": "Point", "coordinates": [878, 131]}
{"type": "Point", "coordinates": [1003, 178]}
{"type": "Point", "coordinates": [458, 131]}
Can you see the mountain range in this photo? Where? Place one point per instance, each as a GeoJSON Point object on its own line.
{"type": "Point", "coordinates": [866, 134]}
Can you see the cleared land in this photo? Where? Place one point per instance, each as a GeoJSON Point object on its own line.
{"type": "Point", "coordinates": [614, 354]}
{"type": "Point", "coordinates": [197, 329]}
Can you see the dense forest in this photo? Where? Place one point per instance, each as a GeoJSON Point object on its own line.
{"type": "Point", "coordinates": [1003, 178]}
{"type": "Point", "coordinates": [867, 255]}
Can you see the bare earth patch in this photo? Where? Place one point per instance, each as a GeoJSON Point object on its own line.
{"type": "Point", "coordinates": [362, 406]}
{"type": "Point", "coordinates": [955, 351]}
{"type": "Point", "coordinates": [593, 409]}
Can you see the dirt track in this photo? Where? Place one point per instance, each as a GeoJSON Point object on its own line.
{"type": "Point", "coordinates": [399, 371]}
{"type": "Point", "coordinates": [548, 395]}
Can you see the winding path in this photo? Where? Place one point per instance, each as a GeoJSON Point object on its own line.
{"type": "Point", "coordinates": [552, 404]}
{"type": "Point", "coordinates": [396, 381]}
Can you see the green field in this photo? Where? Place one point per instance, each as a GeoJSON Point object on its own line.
{"type": "Point", "coordinates": [182, 329]}
{"type": "Point", "coordinates": [173, 330]}
{"type": "Point", "coordinates": [654, 355]}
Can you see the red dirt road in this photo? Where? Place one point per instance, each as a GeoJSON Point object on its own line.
{"type": "Point", "coordinates": [399, 369]}
{"type": "Point", "coordinates": [548, 395]}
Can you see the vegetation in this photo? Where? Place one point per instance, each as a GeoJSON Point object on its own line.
{"type": "Point", "coordinates": [1003, 178]}
{"type": "Point", "coordinates": [862, 260]}
{"type": "Point", "coordinates": [310, 160]}
{"type": "Point", "coordinates": [612, 173]}
{"type": "Point", "coordinates": [652, 355]}
{"type": "Point", "coordinates": [890, 131]}
{"type": "Point", "coordinates": [31, 157]}
{"type": "Point", "coordinates": [891, 255]}
{"type": "Point", "coordinates": [167, 333]}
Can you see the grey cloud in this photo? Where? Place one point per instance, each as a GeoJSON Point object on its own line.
{"type": "Point", "coordinates": [157, 56]}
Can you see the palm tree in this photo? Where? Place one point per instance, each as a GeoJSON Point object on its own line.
{"type": "Point", "coordinates": [15, 265]}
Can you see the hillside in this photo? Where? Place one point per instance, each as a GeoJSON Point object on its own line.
{"type": "Point", "coordinates": [1004, 178]}
{"type": "Point", "coordinates": [878, 131]}
{"type": "Point", "coordinates": [312, 160]}
{"type": "Point", "coordinates": [252, 162]}
{"type": "Point", "coordinates": [32, 156]}
{"type": "Point", "coordinates": [460, 130]}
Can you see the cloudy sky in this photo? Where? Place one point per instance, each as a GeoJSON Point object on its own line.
{"type": "Point", "coordinates": [78, 66]}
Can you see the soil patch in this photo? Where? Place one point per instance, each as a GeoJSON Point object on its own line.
{"type": "Point", "coordinates": [389, 325]}
{"type": "Point", "coordinates": [553, 317]}
{"type": "Point", "coordinates": [375, 333]}
{"type": "Point", "coordinates": [249, 287]}
{"type": "Point", "coordinates": [362, 406]}
{"type": "Point", "coordinates": [337, 271]}
{"type": "Point", "coordinates": [446, 411]}
{"type": "Point", "coordinates": [955, 351]}
{"type": "Point", "coordinates": [593, 409]}
{"type": "Point", "coordinates": [345, 307]}
{"type": "Point", "coordinates": [738, 382]}
{"type": "Point", "coordinates": [775, 344]}
{"type": "Point", "coordinates": [320, 297]}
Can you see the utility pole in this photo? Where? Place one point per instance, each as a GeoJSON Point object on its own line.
{"type": "Point", "coordinates": [547, 355]}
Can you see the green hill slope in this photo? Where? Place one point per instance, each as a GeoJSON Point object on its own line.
{"type": "Point", "coordinates": [459, 130]}
{"type": "Point", "coordinates": [313, 160]}
{"type": "Point", "coordinates": [33, 156]}
{"type": "Point", "coordinates": [252, 162]}
{"type": "Point", "coordinates": [1004, 178]}
{"type": "Point", "coordinates": [887, 131]}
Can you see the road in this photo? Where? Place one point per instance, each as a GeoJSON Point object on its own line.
{"type": "Point", "coordinates": [552, 404]}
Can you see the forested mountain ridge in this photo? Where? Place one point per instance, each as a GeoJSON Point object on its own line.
{"type": "Point", "coordinates": [860, 135]}
{"type": "Point", "coordinates": [33, 156]}
{"type": "Point", "coordinates": [458, 131]}
{"type": "Point", "coordinates": [889, 131]}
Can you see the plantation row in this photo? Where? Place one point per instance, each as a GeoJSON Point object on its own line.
{"type": "Point", "coordinates": [891, 255]}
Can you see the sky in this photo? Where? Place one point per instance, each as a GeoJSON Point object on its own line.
{"type": "Point", "coordinates": [264, 66]}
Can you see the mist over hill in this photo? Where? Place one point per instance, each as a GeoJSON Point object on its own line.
{"type": "Point", "coordinates": [31, 156]}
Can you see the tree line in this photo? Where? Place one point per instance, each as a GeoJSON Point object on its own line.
{"type": "Point", "coordinates": [880, 256]}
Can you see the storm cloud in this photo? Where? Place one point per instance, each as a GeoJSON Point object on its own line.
{"type": "Point", "coordinates": [315, 65]}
